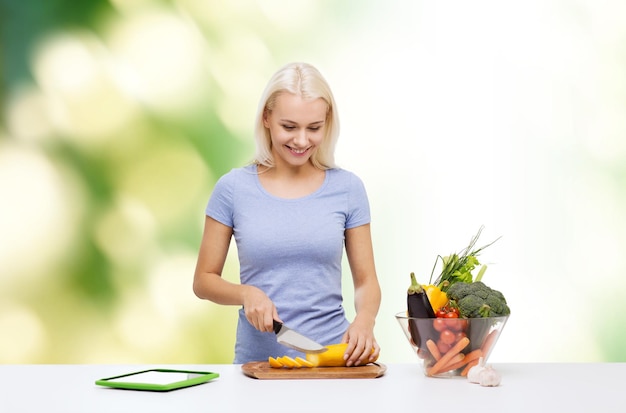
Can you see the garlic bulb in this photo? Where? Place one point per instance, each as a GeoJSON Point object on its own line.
{"type": "Point", "coordinates": [473, 374]}
{"type": "Point", "coordinates": [489, 377]}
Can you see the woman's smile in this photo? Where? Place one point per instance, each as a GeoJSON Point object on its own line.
{"type": "Point", "coordinates": [297, 152]}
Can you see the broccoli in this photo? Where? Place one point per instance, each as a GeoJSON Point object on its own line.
{"type": "Point", "coordinates": [478, 300]}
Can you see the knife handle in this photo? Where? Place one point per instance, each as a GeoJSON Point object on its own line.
{"type": "Point", "coordinates": [277, 326]}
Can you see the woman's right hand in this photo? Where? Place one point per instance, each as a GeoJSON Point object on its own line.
{"type": "Point", "coordinates": [259, 309]}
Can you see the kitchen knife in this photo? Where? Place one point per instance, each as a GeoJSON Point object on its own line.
{"type": "Point", "coordinates": [290, 338]}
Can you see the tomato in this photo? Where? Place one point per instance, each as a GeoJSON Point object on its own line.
{"type": "Point", "coordinates": [439, 324]}
{"type": "Point", "coordinates": [447, 337]}
{"type": "Point", "coordinates": [448, 312]}
{"type": "Point", "coordinates": [452, 318]}
{"type": "Point", "coordinates": [453, 310]}
{"type": "Point", "coordinates": [453, 324]}
{"type": "Point", "coordinates": [459, 336]}
{"type": "Point", "coordinates": [443, 347]}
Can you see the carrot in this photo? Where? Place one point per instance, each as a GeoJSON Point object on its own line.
{"type": "Point", "coordinates": [445, 359]}
{"type": "Point", "coordinates": [488, 342]}
{"type": "Point", "coordinates": [469, 365]}
{"type": "Point", "coordinates": [469, 357]}
{"type": "Point", "coordinates": [432, 347]}
{"type": "Point", "coordinates": [454, 366]}
{"type": "Point", "coordinates": [457, 359]}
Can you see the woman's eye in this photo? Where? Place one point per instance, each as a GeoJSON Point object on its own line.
{"type": "Point", "coordinates": [288, 127]}
{"type": "Point", "coordinates": [314, 128]}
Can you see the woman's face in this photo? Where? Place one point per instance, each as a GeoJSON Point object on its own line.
{"type": "Point", "coordinates": [297, 128]}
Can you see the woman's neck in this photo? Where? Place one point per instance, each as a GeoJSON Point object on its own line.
{"type": "Point", "coordinates": [286, 182]}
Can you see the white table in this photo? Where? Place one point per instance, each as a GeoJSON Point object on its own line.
{"type": "Point", "coordinates": [544, 387]}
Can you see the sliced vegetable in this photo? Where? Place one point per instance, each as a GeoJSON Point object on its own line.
{"type": "Point", "coordinates": [333, 357]}
{"type": "Point", "coordinates": [304, 363]}
{"type": "Point", "coordinates": [289, 362]}
{"type": "Point", "coordinates": [275, 363]}
{"type": "Point", "coordinates": [285, 361]}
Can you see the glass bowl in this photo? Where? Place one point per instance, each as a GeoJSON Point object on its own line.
{"type": "Point", "coordinates": [436, 341]}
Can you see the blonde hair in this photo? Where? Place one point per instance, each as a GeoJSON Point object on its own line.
{"type": "Point", "coordinates": [306, 81]}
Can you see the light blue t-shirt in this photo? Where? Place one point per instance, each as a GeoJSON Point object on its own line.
{"type": "Point", "coordinates": [292, 250]}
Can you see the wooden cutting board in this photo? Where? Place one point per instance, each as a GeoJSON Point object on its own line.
{"type": "Point", "coordinates": [262, 370]}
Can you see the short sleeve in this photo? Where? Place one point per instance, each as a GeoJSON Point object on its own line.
{"type": "Point", "coordinates": [220, 206]}
{"type": "Point", "coordinates": [358, 204]}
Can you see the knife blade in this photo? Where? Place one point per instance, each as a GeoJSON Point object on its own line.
{"type": "Point", "coordinates": [295, 340]}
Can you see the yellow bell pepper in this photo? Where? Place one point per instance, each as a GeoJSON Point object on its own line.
{"type": "Point", "coordinates": [333, 357]}
{"type": "Point", "coordinates": [436, 297]}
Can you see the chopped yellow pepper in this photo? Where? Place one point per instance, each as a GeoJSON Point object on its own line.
{"type": "Point", "coordinates": [436, 297]}
{"type": "Point", "coordinates": [333, 357]}
{"type": "Point", "coordinates": [304, 363]}
{"type": "Point", "coordinates": [275, 363]}
{"type": "Point", "coordinates": [289, 362]}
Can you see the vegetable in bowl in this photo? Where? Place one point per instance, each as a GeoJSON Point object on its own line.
{"type": "Point", "coordinates": [459, 267]}
{"type": "Point", "coordinates": [477, 300]}
{"type": "Point", "coordinates": [465, 320]}
{"type": "Point", "coordinates": [449, 347]}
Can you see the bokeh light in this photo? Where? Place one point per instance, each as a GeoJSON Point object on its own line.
{"type": "Point", "coordinates": [119, 116]}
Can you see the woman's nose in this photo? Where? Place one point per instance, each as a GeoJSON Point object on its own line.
{"type": "Point", "coordinates": [301, 137]}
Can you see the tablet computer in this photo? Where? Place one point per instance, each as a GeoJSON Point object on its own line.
{"type": "Point", "coordinates": [158, 379]}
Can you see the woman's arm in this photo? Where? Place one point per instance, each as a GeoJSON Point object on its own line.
{"type": "Point", "coordinates": [367, 296]}
{"type": "Point", "coordinates": [208, 283]}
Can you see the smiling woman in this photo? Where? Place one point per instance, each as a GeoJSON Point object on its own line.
{"type": "Point", "coordinates": [290, 213]}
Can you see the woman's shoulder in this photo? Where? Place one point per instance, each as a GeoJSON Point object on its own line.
{"type": "Point", "coordinates": [237, 174]}
{"type": "Point", "coordinates": [236, 179]}
{"type": "Point", "coordinates": [343, 175]}
{"type": "Point", "coordinates": [337, 171]}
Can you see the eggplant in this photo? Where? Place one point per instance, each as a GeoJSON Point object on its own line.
{"type": "Point", "coordinates": [418, 306]}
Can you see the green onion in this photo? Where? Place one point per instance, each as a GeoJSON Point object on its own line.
{"type": "Point", "coordinates": [458, 267]}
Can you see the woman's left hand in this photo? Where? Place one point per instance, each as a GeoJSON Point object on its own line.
{"type": "Point", "coordinates": [361, 341]}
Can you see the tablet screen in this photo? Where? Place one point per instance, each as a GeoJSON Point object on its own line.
{"type": "Point", "coordinates": [155, 377]}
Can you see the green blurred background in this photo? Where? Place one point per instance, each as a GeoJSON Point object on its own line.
{"type": "Point", "coordinates": [118, 117]}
